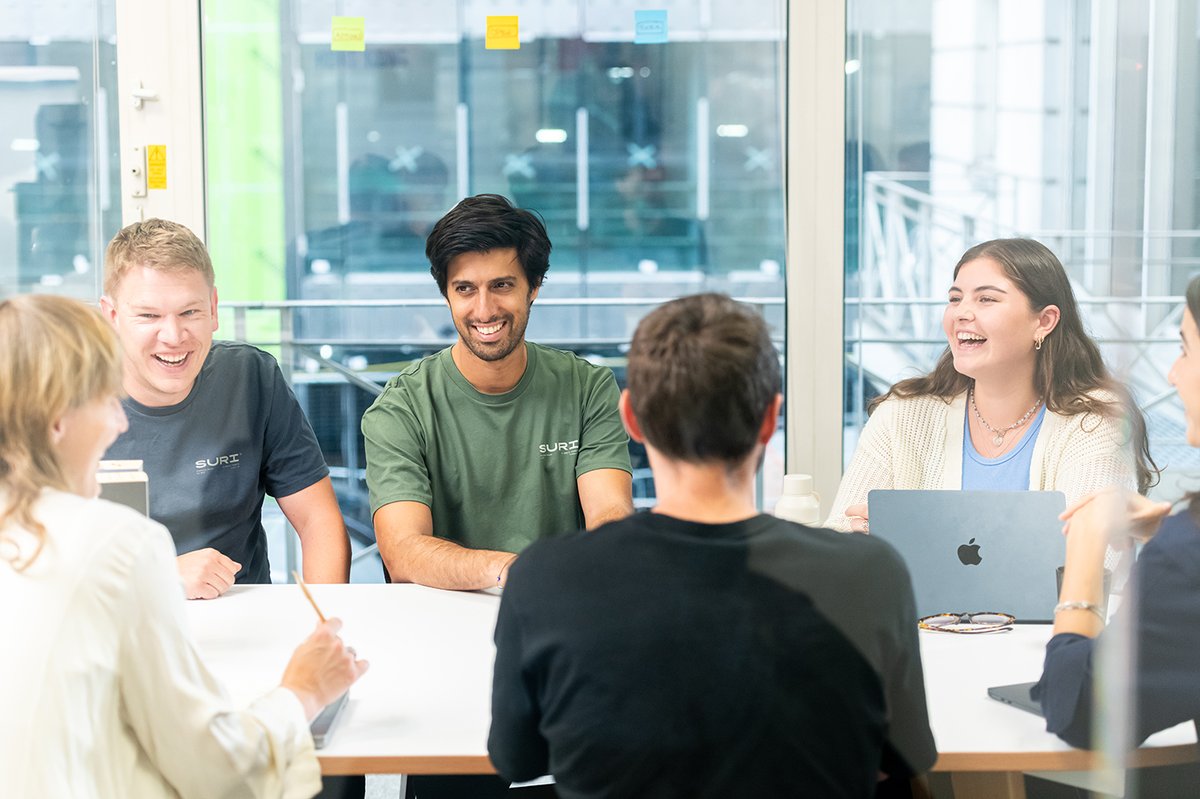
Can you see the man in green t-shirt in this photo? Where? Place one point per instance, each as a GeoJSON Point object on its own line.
{"type": "Point", "coordinates": [477, 451]}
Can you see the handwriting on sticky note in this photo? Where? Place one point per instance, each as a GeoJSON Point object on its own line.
{"type": "Point", "coordinates": [649, 27]}
{"type": "Point", "coordinates": [502, 34]}
{"type": "Point", "coordinates": [156, 166]}
{"type": "Point", "coordinates": [348, 34]}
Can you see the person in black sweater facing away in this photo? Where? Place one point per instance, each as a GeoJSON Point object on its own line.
{"type": "Point", "coordinates": [703, 649]}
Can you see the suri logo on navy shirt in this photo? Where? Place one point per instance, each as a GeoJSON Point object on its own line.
{"type": "Point", "coordinates": [232, 460]}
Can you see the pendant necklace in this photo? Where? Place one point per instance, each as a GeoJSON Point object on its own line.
{"type": "Point", "coordinates": [998, 435]}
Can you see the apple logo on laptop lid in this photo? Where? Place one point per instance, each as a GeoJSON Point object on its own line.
{"type": "Point", "coordinates": [968, 553]}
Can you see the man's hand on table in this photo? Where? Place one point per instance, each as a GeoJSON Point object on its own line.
{"type": "Point", "coordinates": [206, 573]}
{"type": "Point", "coordinates": [502, 578]}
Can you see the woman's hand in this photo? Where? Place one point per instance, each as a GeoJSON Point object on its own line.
{"type": "Point", "coordinates": [857, 514]}
{"type": "Point", "coordinates": [322, 668]}
{"type": "Point", "coordinates": [1116, 513]}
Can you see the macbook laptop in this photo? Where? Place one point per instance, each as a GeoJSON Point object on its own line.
{"type": "Point", "coordinates": [970, 551]}
{"type": "Point", "coordinates": [125, 483]}
{"type": "Point", "coordinates": [1018, 695]}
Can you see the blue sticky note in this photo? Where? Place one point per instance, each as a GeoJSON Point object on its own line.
{"type": "Point", "coordinates": [649, 27]}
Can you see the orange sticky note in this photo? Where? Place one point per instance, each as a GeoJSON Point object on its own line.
{"type": "Point", "coordinates": [156, 166]}
{"type": "Point", "coordinates": [349, 34]}
{"type": "Point", "coordinates": [502, 34]}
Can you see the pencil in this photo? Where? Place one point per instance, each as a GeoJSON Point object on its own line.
{"type": "Point", "coordinates": [308, 596]}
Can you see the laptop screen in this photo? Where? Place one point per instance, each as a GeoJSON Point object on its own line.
{"type": "Point", "coordinates": [125, 483]}
{"type": "Point", "coordinates": [976, 551]}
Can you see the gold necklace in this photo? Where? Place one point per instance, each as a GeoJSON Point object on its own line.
{"type": "Point", "coordinates": [998, 435]}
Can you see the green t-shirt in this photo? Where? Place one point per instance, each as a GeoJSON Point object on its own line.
{"type": "Point", "coordinates": [497, 471]}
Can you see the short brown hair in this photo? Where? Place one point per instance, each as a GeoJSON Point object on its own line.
{"type": "Point", "coordinates": [157, 244]}
{"type": "Point", "coordinates": [702, 374]}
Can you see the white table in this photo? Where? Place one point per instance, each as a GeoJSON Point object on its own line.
{"type": "Point", "coordinates": [987, 745]}
{"type": "Point", "coordinates": [424, 706]}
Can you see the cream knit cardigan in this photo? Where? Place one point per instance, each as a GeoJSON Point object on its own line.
{"type": "Point", "coordinates": [917, 443]}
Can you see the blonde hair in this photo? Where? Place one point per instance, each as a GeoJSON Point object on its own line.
{"type": "Point", "coordinates": [56, 354]}
{"type": "Point", "coordinates": [157, 244]}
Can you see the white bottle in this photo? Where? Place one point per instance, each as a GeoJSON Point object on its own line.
{"type": "Point", "coordinates": [799, 503]}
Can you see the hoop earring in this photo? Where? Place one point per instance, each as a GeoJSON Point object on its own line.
{"type": "Point", "coordinates": [1037, 343]}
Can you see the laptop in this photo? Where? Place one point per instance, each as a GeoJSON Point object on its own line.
{"type": "Point", "coordinates": [1018, 695]}
{"type": "Point", "coordinates": [125, 483]}
{"type": "Point", "coordinates": [970, 551]}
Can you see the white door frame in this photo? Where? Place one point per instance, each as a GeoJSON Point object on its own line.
{"type": "Point", "coordinates": [159, 60]}
{"type": "Point", "coordinates": [816, 122]}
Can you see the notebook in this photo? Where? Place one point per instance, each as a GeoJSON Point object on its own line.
{"type": "Point", "coordinates": [321, 727]}
{"type": "Point", "coordinates": [970, 551]}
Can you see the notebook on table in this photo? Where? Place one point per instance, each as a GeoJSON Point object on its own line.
{"type": "Point", "coordinates": [971, 551]}
{"type": "Point", "coordinates": [322, 726]}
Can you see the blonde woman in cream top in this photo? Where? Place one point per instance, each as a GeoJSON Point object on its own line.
{"type": "Point", "coordinates": [102, 691]}
{"type": "Point", "coordinates": [1018, 363]}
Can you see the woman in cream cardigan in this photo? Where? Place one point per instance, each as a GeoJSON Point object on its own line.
{"type": "Point", "coordinates": [1020, 399]}
{"type": "Point", "coordinates": [102, 689]}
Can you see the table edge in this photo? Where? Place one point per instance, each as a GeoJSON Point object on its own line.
{"type": "Point", "coordinates": [1066, 760]}
{"type": "Point", "coordinates": [343, 765]}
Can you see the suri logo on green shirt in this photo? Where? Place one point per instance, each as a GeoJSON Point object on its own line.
{"type": "Point", "coordinates": [559, 446]}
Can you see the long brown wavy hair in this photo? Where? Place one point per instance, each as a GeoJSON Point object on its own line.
{"type": "Point", "coordinates": [1070, 374]}
{"type": "Point", "coordinates": [56, 354]}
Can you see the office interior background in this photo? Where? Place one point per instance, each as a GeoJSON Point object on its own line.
{"type": "Point", "coordinates": [661, 169]}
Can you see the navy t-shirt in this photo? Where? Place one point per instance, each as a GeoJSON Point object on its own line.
{"type": "Point", "coordinates": [239, 434]}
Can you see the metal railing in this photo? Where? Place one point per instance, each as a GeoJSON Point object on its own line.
{"type": "Point", "coordinates": [309, 361]}
{"type": "Point", "coordinates": [911, 238]}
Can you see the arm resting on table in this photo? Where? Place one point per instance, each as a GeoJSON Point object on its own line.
{"type": "Point", "coordinates": [412, 554]}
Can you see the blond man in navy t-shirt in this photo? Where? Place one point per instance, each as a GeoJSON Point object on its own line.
{"type": "Point", "coordinates": [216, 425]}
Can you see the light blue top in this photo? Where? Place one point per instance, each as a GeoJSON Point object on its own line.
{"type": "Point", "coordinates": [1009, 472]}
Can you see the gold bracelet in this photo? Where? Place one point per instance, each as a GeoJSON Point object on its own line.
{"type": "Point", "coordinates": [1061, 606]}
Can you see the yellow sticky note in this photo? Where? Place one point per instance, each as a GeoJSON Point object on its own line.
{"type": "Point", "coordinates": [156, 166]}
{"type": "Point", "coordinates": [349, 33]}
{"type": "Point", "coordinates": [502, 34]}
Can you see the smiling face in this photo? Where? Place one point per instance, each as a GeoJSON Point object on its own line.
{"type": "Point", "coordinates": [1185, 375]}
{"type": "Point", "coordinates": [989, 323]}
{"type": "Point", "coordinates": [80, 438]}
{"type": "Point", "coordinates": [166, 321]}
{"type": "Point", "coordinates": [489, 299]}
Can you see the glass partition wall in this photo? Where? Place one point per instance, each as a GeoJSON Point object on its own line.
{"type": "Point", "coordinates": [1066, 122]}
{"type": "Point", "coordinates": [658, 168]}
{"type": "Point", "coordinates": [59, 160]}
{"type": "Point", "coordinates": [1073, 123]}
